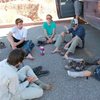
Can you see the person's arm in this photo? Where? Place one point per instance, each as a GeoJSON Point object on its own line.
{"type": "Point", "coordinates": [45, 32]}
{"type": "Point", "coordinates": [14, 44]}
{"type": "Point", "coordinates": [13, 87]}
{"type": "Point", "coordinates": [69, 42]}
{"type": "Point", "coordinates": [10, 38]}
{"type": "Point", "coordinates": [21, 41]}
{"type": "Point", "coordinates": [54, 30]}
{"type": "Point", "coordinates": [53, 34]}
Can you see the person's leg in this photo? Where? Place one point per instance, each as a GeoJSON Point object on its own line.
{"type": "Point", "coordinates": [32, 92]}
{"type": "Point", "coordinates": [78, 8]}
{"type": "Point", "coordinates": [90, 70]}
{"type": "Point", "coordinates": [29, 56]}
{"type": "Point", "coordinates": [79, 74]}
{"type": "Point", "coordinates": [25, 72]}
{"type": "Point", "coordinates": [76, 42]}
{"type": "Point", "coordinates": [58, 42]}
{"type": "Point", "coordinates": [43, 85]}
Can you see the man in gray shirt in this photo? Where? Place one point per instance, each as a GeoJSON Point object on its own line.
{"type": "Point", "coordinates": [19, 84]}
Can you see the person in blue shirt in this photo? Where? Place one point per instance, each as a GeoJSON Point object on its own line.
{"type": "Point", "coordinates": [77, 34]}
{"type": "Point", "coordinates": [49, 28]}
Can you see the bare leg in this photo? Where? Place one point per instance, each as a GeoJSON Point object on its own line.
{"type": "Point", "coordinates": [29, 56]}
{"type": "Point", "coordinates": [59, 42]}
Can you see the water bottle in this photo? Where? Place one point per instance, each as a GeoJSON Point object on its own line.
{"type": "Point", "coordinates": [42, 50]}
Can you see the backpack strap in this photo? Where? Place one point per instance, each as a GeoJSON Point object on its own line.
{"type": "Point", "coordinates": [2, 45]}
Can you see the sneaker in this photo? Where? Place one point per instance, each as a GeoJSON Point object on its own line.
{"type": "Point", "coordinates": [36, 69]}
{"type": "Point", "coordinates": [67, 67]}
{"type": "Point", "coordinates": [42, 73]}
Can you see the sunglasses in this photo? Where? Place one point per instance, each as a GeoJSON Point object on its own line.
{"type": "Point", "coordinates": [48, 18]}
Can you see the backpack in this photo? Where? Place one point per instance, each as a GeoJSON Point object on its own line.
{"type": "Point", "coordinates": [77, 66]}
{"type": "Point", "coordinates": [28, 46]}
{"type": "Point", "coordinates": [96, 73]}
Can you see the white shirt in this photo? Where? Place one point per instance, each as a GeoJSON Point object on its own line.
{"type": "Point", "coordinates": [19, 33]}
{"type": "Point", "coordinates": [9, 83]}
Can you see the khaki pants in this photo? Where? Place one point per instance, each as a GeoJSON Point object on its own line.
{"type": "Point", "coordinates": [76, 42]}
{"type": "Point", "coordinates": [33, 90]}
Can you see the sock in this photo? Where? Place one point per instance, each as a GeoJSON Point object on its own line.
{"type": "Point", "coordinates": [75, 59]}
{"type": "Point", "coordinates": [75, 74]}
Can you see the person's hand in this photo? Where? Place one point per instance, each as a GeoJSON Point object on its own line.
{"type": "Point", "coordinates": [13, 46]}
{"type": "Point", "coordinates": [31, 79]}
{"type": "Point", "coordinates": [67, 45]}
{"type": "Point", "coordinates": [49, 40]}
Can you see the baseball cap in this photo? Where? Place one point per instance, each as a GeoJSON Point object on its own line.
{"type": "Point", "coordinates": [74, 22]}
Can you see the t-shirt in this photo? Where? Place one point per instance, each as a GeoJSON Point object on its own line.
{"type": "Point", "coordinates": [80, 32]}
{"type": "Point", "coordinates": [19, 33]}
{"type": "Point", "coordinates": [49, 28]}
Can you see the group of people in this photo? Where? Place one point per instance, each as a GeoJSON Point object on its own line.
{"type": "Point", "coordinates": [23, 83]}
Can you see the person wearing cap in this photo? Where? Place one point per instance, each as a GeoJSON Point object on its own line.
{"type": "Point", "coordinates": [77, 33]}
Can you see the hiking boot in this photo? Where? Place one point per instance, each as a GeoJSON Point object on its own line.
{"type": "Point", "coordinates": [43, 73]}
{"type": "Point", "coordinates": [39, 72]}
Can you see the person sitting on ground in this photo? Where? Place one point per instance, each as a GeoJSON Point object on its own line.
{"type": "Point", "coordinates": [18, 84]}
{"type": "Point", "coordinates": [18, 36]}
{"type": "Point", "coordinates": [91, 66]}
{"type": "Point", "coordinates": [49, 28]}
{"type": "Point", "coordinates": [78, 35]}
